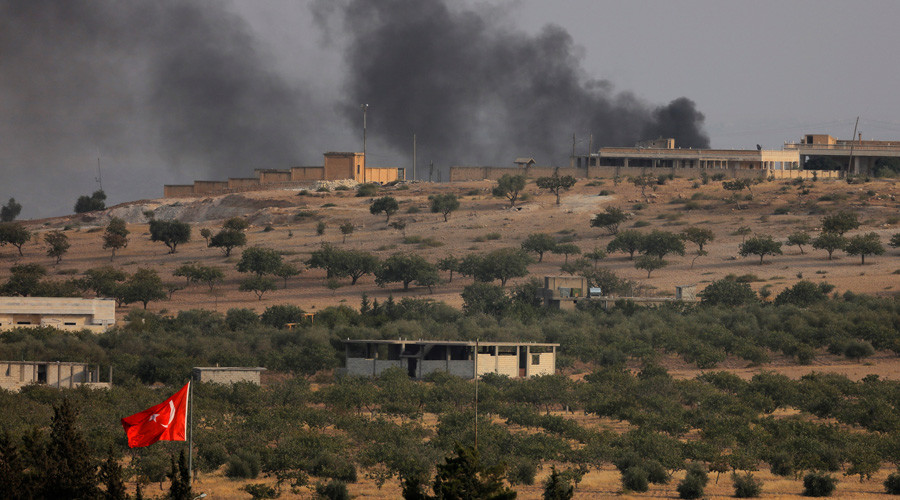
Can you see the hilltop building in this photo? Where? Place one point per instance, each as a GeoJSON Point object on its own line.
{"type": "Point", "coordinates": [421, 357]}
{"type": "Point", "coordinates": [96, 315]}
{"type": "Point", "coordinates": [865, 153]}
{"type": "Point", "coordinates": [228, 375]}
{"type": "Point", "coordinates": [336, 166]}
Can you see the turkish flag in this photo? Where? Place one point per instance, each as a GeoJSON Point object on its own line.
{"type": "Point", "coordinates": [166, 421]}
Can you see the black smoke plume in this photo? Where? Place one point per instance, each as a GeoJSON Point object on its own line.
{"type": "Point", "coordinates": [477, 92]}
{"type": "Point", "coordinates": [162, 89]}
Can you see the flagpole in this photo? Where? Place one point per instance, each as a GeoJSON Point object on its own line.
{"type": "Point", "coordinates": [191, 435]}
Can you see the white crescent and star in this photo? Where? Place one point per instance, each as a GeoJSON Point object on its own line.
{"type": "Point", "coordinates": [171, 416]}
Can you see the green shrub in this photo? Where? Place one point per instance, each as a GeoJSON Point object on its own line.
{"type": "Point", "coordinates": [694, 482]}
{"type": "Point", "coordinates": [366, 190]}
{"type": "Point", "coordinates": [892, 484]}
{"type": "Point", "coordinates": [746, 486]}
{"type": "Point", "coordinates": [523, 473]}
{"type": "Point", "coordinates": [212, 456]}
{"type": "Point", "coordinates": [243, 465]}
{"type": "Point", "coordinates": [818, 484]}
{"type": "Point", "coordinates": [261, 490]}
{"type": "Point", "coordinates": [635, 479]}
{"type": "Point", "coordinates": [640, 223]}
{"type": "Point", "coordinates": [323, 189]}
{"type": "Point", "coordinates": [342, 188]}
{"type": "Point", "coordinates": [606, 192]}
{"type": "Point", "coordinates": [333, 490]}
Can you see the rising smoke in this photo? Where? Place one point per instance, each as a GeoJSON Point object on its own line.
{"type": "Point", "coordinates": [174, 90]}
{"type": "Point", "coordinates": [163, 90]}
{"type": "Point", "coordinates": [477, 92]}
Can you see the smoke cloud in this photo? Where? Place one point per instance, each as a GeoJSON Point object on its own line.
{"type": "Point", "coordinates": [478, 92]}
{"type": "Point", "coordinates": [173, 90]}
{"type": "Point", "coordinates": [164, 90]}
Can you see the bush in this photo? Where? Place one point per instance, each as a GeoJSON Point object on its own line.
{"type": "Point", "coordinates": [333, 490]}
{"type": "Point", "coordinates": [635, 479]}
{"type": "Point", "coordinates": [523, 473]}
{"type": "Point", "coordinates": [366, 190]}
{"type": "Point", "coordinates": [243, 466]}
{"type": "Point", "coordinates": [892, 484]}
{"type": "Point", "coordinates": [818, 484]}
{"type": "Point", "coordinates": [694, 482]}
{"type": "Point", "coordinates": [261, 490]}
{"type": "Point", "coordinates": [212, 456]}
{"type": "Point", "coordinates": [746, 486]}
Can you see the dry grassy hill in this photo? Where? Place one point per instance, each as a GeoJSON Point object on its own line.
{"type": "Point", "coordinates": [286, 221]}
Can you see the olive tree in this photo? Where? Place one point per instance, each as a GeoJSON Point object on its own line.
{"type": "Point", "coordinates": [387, 205]}
{"type": "Point", "coordinates": [509, 186]}
{"type": "Point", "coordinates": [555, 183]}
{"type": "Point", "coordinates": [170, 232]}
{"type": "Point", "coordinates": [610, 219]}
{"type": "Point", "coordinates": [864, 244]}
{"type": "Point", "coordinates": [760, 245]}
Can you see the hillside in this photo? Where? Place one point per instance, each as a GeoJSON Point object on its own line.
{"type": "Point", "coordinates": [482, 223]}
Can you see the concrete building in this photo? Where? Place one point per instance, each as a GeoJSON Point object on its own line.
{"type": "Point", "coordinates": [865, 153]}
{"type": "Point", "coordinates": [96, 315]}
{"type": "Point", "coordinates": [17, 374]}
{"type": "Point", "coordinates": [227, 375]}
{"type": "Point", "coordinates": [564, 292]}
{"type": "Point", "coordinates": [662, 153]}
{"type": "Point", "coordinates": [422, 357]}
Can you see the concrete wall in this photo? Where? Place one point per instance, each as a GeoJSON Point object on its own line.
{"type": "Point", "coordinates": [382, 175]}
{"type": "Point", "coordinates": [546, 364]}
{"type": "Point", "coordinates": [206, 187]}
{"type": "Point", "coordinates": [361, 367]}
{"type": "Point", "coordinates": [222, 375]}
{"type": "Point", "coordinates": [494, 173]}
{"type": "Point", "coordinates": [176, 190]}
{"type": "Point", "coordinates": [343, 166]}
{"type": "Point", "coordinates": [274, 176]}
{"type": "Point", "coordinates": [307, 173]}
{"type": "Point", "coordinates": [508, 365]}
{"type": "Point", "coordinates": [242, 182]}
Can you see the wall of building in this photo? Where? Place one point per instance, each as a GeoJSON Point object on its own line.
{"type": "Point", "coordinates": [64, 313]}
{"type": "Point", "coordinates": [242, 182]}
{"type": "Point", "coordinates": [343, 166]}
{"type": "Point", "coordinates": [382, 175]}
{"type": "Point", "coordinates": [307, 173]}
{"type": "Point", "coordinates": [508, 365]}
{"type": "Point", "coordinates": [360, 367]}
{"type": "Point", "coordinates": [206, 187]}
{"type": "Point", "coordinates": [492, 173]}
{"type": "Point", "coordinates": [546, 364]}
{"type": "Point", "coordinates": [274, 176]}
{"type": "Point", "coordinates": [17, 374]}
{"type": "Point", "coordinates": [175, 190]}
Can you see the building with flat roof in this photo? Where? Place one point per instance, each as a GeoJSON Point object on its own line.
{"type": "Point", "coordinates": [65, 313]}
{"type": "Point", "coordinates": [465, 359]}
{"type": "Point", "coordinates": [862, 154]}
{"type": "Point", "coordinates": [14, 375]}
{"type": "Point", "coordinates": [228, 375]}
{"type": "Point", "coordinates": [662, 153]}
{"type": "Point", "coordinates": [564, 292]}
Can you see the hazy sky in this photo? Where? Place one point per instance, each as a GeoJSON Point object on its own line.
{"type": "Point", "coordinates": [171, 91]}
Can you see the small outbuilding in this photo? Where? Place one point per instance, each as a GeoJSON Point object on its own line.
{"type": "Point", "coordinates": [465, 359]}
{"type": "Point", "coordinates": [228, 375]}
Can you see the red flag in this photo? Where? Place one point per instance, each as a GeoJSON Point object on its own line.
{"type": "Point", "coordinates": [166, 421]}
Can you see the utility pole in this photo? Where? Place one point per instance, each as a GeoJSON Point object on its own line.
{"type": "Point", "coordinates": [430, 171]}
{"type": "Point", "coordinates": [573, 147]}
{"type": "Point", "coordinates": [853, 138]}
{"type": "Point", "coordinates": [590, 149]}
{"type": "Point", "coordinates": [365, 110]}
{"type": "Point", "coordinates": [414, 156]}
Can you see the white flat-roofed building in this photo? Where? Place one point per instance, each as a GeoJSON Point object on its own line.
{"type": "Point", "coordinates": [65, 313]}
{"type": "Point", "coordinates": [419, 358]}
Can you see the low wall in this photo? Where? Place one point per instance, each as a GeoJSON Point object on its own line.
{"type": "Point", "coordinates": [242, 182]}
{"type": "Point", "coordinates": [381, 175]}
{"type": "Point", "coordinates": [307, 173]}
{"type": "Point", "coordinates": [494, 173]}
{"type": "Point", "coordinates": [175, 190]}
{"type": "Point", "coordinates": [204, 187]}
{"type": "Point", "coordinates": [276, 176]}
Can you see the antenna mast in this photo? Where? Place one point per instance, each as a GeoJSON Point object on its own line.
{"type": "Point", "coordinates": [99, 178]}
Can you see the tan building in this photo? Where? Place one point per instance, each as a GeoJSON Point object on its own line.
{"type": "Point", "coordinates": [17, 374]}
{"type": "Point", "coordinates": [370, 358]}
{"type": "Point", "coordinates": [228, 375]}
{"type": "Point", "coordinates": [662, 153]}
{"type": "Point", "coordinates": [336, 166]}
{"type": "Point", "coordinates": [564, 292]}
{"type": "Point", "coordinates": [864, 153]}
{"type": "Point", "coordinates": [96, 315]}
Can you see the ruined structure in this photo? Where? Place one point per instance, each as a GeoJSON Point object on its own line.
{"type": "Point", "coordinates": [421, 357]}
{"type": "Point", "coordinates": [17, 374]}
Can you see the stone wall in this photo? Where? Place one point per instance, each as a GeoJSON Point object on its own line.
{"type": "Point", "coordinates": [226, 375]}
{"type": "Point", "coordinates": [494, 173]}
